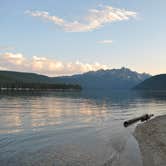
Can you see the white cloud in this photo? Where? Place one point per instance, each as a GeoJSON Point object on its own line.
{"type": "Point", "coordinates": [17, 59]}
{"type": "Point", "coordinates": [3, 68]}
{"type": "Point", "coordinates": [105, 42]}
{"type": "Point", "coordinates": [95, 19]}
{"type": "Point", "coordinates": [45, 15]}
{"type": "Point", "coordinates": [43, 65]}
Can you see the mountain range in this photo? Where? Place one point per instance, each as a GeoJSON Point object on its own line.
{"type": "Point", "coordinates": [123, 78]}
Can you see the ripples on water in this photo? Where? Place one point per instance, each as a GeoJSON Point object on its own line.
{"type": "Point", "coordinates": [73, 128]}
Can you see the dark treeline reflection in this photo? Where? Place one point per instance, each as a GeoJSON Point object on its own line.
{"type": "Point", "coordinates": [113, 96]}
{"type": "Point", "coordinates": [157, 95]}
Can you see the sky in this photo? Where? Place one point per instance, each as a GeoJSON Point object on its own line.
{"type": "Point", "coordinates": [65, 37]}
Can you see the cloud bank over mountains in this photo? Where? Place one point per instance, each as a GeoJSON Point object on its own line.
{"type": "Point", "coordinates": [95, 19]}
{"type": "Point", "coordinates": [43, 65]}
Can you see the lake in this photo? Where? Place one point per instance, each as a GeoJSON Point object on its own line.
{"type": "Point", "coordinates": [73, 128]}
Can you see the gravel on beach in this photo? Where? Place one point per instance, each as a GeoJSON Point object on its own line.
{"type": "Point", "coordinates": [151, 137]}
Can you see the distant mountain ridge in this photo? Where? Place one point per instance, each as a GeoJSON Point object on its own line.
{"type": "Point", "coordinates": [157, 82]}
{"type": "Point", "coordinates": [123, 78]}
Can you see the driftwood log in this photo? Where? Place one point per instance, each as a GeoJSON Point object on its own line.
{"type": "Point", "coordinates": [142, 118]}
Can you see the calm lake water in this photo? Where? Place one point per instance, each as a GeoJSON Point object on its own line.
{"type": "Point", "coordinates": [73, 128]}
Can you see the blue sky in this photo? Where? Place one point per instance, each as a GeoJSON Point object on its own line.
{"type": "Point", "coordinates": [62, 37]}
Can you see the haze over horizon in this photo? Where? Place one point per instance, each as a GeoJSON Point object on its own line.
{"type": "Point", "coordinates": [64, 38]}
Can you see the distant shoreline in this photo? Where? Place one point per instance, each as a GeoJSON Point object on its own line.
{"type": "Point", "coordinates": [37, 86]}
{"type": "Point", "coordinates": [39, 90]}
{"type": "Point", "coordinates": [151, 137]}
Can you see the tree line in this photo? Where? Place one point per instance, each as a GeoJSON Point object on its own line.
{"type": "Point", "coordinates": [38, 86]}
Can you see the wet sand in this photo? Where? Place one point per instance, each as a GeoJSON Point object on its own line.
{"type": "Point", "coordinates": [151, 137]}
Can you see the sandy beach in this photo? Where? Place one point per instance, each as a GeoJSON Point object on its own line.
{"type": "Point", "coordinates": [151, 137]}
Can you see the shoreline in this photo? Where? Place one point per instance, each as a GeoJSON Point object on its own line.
{"type": "Point", "coordinates": [151, 137]}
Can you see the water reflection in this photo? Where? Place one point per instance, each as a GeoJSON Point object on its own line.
{"type": "Point", "coordinates": [73, 126]}
{"type": "Point", "coordinates": [29, 111]}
